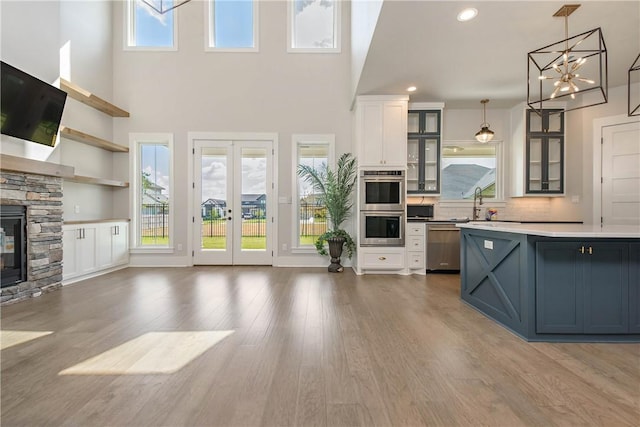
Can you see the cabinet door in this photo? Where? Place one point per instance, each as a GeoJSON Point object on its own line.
{"type": "Point", "coordinates": [120, 244]}
{"type": "Point", "coordinates": [559, 289]}
{"type": "Point", "coordinates": [606, 288]}
{"type": "Point", "coordinates": [86, 247]}
{"type": "Point", "coordinates": [634, 288]}
{"type": "Point", "coordinates": [394, 145]}
{"type": "Point", "coordinates": [103, 245]}
{"type": "Point", "coordinates": [370, 124]}
{"type": "Point", "coordinates": [69, 252]}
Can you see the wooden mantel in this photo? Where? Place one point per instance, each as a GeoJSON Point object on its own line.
{"type": "Point", "coordinates": [36, 167]}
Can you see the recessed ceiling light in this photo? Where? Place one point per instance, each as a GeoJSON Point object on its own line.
{"type": "Point", "coordinates": [467, 14]}
{"type": "Point", "coordinates": [411, 89]}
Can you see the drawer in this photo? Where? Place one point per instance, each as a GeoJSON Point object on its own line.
{"type": "Point", "coordinates": [415, 229]}
{"type": "Point", "coordinates": [382, 259]}
{"type": "Point", "coordinates": [416, 260]}
{"type": "Point", "coordinates": [415, 243]}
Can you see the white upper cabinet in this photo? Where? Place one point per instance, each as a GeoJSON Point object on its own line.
{"type": "Point", "coordinates": [381, 130]}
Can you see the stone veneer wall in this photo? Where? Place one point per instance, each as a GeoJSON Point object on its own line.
{"type": "Point", "coordinates": [42, 196]}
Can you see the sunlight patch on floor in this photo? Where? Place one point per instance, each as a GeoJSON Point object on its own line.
{"type": "Point", "coordinates": [11, 338]}
{"type": "Point", "coordinates": [151, 353]}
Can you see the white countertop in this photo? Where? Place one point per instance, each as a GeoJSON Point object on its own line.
{"type": "Point", "coordinates": [558, 230]}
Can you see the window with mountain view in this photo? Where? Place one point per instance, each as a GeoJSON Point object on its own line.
{"type": "Point", "coordinates": [467, 166]}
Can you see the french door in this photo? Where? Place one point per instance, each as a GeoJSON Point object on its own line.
{"type": "Point", "coordinates": [233, 214]}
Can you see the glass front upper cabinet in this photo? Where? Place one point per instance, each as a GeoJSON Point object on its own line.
{"type": "Point", "coordinates": [545, 152]}
{"type": "Point", "coordinates": [423, 151]}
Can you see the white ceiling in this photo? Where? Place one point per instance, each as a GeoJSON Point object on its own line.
{"type": "Point", "coordinates": [421, 43]}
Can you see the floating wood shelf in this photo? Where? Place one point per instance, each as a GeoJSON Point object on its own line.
{"type": "Point", "coordinates": [94, 141]}
{"type": "Point", "coordinates": [86, 97]}
{"type": "Point", "coordinates": [36, 167]}
{"type": "Point", "coordinates": [98, 181]}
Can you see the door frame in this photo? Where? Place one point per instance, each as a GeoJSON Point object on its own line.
{"type": "Point", "coordinates": [232, 136]}
{"type": "Point", "coordinates": [596, 165]}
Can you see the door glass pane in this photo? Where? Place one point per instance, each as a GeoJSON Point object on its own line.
{"type": "Point", "coordinates": [254, 199]}
{"type": "Point", "coordinates": [413, 125]}
{"type": "Point", "coordinates": [412, 164]}
{"type": "Point", "coordinates": [155, 193]}
{"type": "Point", "coordinates": [431, 122]}
{"type": "Point", "coordinates": [535, 167]}
{"type": "Point", "coordinates": [555, 164]}
{"type": "Point", "coordinates": [214, 199]}
{"type": "Point", "coordinates": [535, 122]}
{"type": "Point", "coordinates": [555, 122]}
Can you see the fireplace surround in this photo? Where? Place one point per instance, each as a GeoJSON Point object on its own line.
{"type": "Point", "coordinates": [41, 198]}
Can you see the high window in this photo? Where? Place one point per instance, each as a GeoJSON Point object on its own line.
{"type": "Point", "coordinates": [153, 186]}
{"type": "Point", "coordinates": [316, 151]}
{"type": "Point", "coordinates": [233, 25]}
{"type": "Point", "coordinates": [149, 30]}
{"type": "Point", "coordinates": [314, 26]}
{"type": "Point", "coordinates": [466, 166]}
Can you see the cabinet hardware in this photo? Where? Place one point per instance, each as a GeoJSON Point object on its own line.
{"type": "Point", "coordinates": [581, 249]}
{"type": "Point", "coordinates": [590, 250]}
{"type": "Point", "coordinates": [382, 258]}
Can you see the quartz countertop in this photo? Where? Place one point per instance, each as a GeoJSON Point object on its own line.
{"type": "Point", "coordinates": [557, 229]}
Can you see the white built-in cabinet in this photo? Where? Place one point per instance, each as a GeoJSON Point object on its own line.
{"type": "Point", "coordinates": [381, 130]}
{"type": "Point", "coordinates": [415, 241]}
{"type": "Point", "coordinates": [94, 248]}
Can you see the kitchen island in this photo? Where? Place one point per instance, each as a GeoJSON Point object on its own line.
{"type": "Point", "coordinates": [554, 282]}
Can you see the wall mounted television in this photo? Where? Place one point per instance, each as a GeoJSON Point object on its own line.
{"type": "Point", "coordinates": [31, 109]}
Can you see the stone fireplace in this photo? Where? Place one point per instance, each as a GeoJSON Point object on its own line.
{"type": "Point", "coordinates": [41, 197]}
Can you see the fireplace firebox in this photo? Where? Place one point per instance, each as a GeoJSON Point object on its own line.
{"type": "Point", "coordinates": [13, 259]}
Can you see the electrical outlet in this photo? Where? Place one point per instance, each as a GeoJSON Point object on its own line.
{"type": "Point", "coordinates": [284, 246]}
{"type": "Point", "coordinates": [179, 246]}
{"type": "Point", "coordinates": [76, 208]}
{"type": "Point", "coordinates": [488, 244]}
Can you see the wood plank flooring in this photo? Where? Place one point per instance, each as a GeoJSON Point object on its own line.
{"type": "Point", "coordinates": [306, 348]}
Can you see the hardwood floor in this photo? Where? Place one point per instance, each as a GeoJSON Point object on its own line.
{"type": "Point", "coordinates": [296, 347]}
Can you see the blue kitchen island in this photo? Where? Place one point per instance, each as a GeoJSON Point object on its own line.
{"type": "Point", "coordinates": [554, 282]}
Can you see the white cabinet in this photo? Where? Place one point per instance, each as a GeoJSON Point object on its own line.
{"type": "Point", "coordinates": [113, 247]}
{"type": "Point", "coordinates": [89, 248]}
{"type": "Point", "coordinates": [79, 250]}
{"type": "Point", "coordinates": [381, 258]}
{"type": "Point", "coordinates": [381, 130]}
{"type": "Point", "coordinates": [416, 237]}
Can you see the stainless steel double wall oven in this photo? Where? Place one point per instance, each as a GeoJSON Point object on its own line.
{"type": "Point", "coordinates": [382, 207]}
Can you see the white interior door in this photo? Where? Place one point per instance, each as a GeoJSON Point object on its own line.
{"type": "Point", "coordinates": [233, 219]}
{"type": "Point", "coordinates": [621, 174]}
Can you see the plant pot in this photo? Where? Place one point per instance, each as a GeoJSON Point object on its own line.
{"type": "Point", "coordinates": [335, 250]}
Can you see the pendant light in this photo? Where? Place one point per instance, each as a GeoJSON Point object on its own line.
{"type": "Point", "coordinates": [485, 134]}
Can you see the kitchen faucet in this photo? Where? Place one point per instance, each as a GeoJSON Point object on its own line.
{"type": "Point", "coordinates": [477, 194]}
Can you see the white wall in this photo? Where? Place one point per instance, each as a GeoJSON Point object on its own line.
{"type": "Point", "coordinates": [364, 17]}
{"type": "Point", "coordinates": [269, 91]}
{"type": "Point", "coordinates": [33, 35]}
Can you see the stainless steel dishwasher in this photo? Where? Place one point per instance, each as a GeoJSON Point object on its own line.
{"type": "Point", "coordinates": [443, 247]}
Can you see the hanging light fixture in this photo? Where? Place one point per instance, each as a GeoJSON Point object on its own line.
{"type": "Point", "coordinates": [485, 134]}
{"type": "Point", "coordinates": [164, 6]}
{"type": "Point", "coordinates": [574, 65]}
{"type": "Point", "coordinates": [633, 105]}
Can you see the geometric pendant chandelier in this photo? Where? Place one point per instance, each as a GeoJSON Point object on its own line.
{"type": "Point", "coordinates": [633, 88]}
{"type": "Point", "coordinates": [573, 70]}
{"type": "Point", "coordinates": [164, 6]}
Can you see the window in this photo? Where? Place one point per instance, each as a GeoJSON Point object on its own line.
{"type": "Point", "coordinates": [233, 25]}
{"type": "Point", "coordinates": [315, 151]}
{"type": "Point", "coordinates": [467, 165]}
{"type": "Point", "coordinates": [153, 182]}
{"type": "Point", "coordinates": [314, 26]}
{"type": "Point", "coordinates": [149, 30]}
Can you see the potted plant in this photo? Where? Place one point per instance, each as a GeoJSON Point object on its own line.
{"type": "Point", "coordinates": [335, 190]}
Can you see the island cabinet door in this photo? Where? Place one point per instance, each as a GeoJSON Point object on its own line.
{"type": "Point", "coordinates": [634, 288]}
{"type": "Point", "coordinates": [559, 288]}
{"type": "Point", "coordinates": [606, 287]}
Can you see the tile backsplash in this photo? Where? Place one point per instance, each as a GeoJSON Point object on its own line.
{"type": "Point", "coordinates": [518, 209]}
